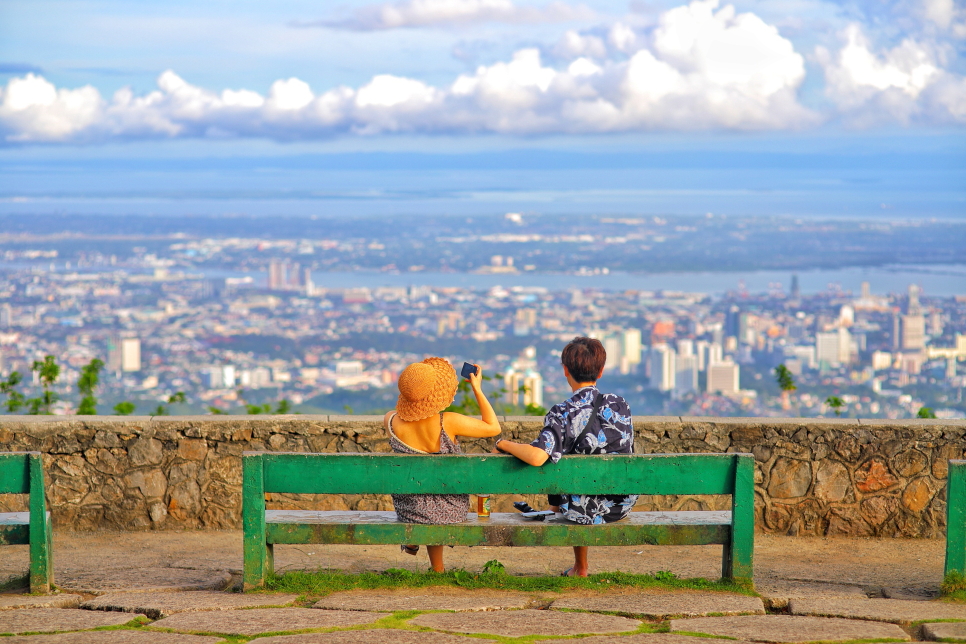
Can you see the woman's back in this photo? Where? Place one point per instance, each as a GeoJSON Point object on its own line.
{"type": "Point", "coordinates": [421, 437]}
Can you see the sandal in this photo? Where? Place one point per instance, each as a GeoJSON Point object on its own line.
{"type": "Point", "coordinates": [409, 550]}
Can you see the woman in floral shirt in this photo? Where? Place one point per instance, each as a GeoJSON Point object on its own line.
{"type": "Point", "coordinates": [612, 432]}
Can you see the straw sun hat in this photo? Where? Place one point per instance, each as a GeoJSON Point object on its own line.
{"type": "Point", "coordinates": [426, 388]}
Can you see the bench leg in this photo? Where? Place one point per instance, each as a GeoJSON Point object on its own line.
{"type": "Point", "coordinates": [255, 548]}
{"type": "Point", "coordinates": [41, 553]}
{"type": "Point", "coordinates": [956, 518]}
{"type": "Point", "coordinates": [738, 560]}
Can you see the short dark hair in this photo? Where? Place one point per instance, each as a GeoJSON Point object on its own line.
{"type": "Point", "coordinates": [584, 358]}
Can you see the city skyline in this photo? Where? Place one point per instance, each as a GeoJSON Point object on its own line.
{"type": "Point", "coordinates": [167, 326]}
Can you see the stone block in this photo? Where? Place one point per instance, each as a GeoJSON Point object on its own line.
{"type": "Point", "coordinates": [874, 476]}
{"type": "Point", "coordinates": [157, 605]}
{"type": "Point", "coordinates": [458, 600]}
{"type": "Point", "coordinates": [193, 449]}
{"type": "Point", "coordinates": [917, 495]}
{"type": "Point", "coordinates": [777, 593]}
{"type": "Point", "coordinates": [878, 509]}
{"type": "Point", "coordinates": [789, 628]}
{"type": "Point", "coordinates": [145, 451]}
{"type": "Point", "coordinates": [12, 602]}
{"type": "Point", "coordinates": [897, 611]}
{"type": "Point", "coordinates": [113, 637]}
{"type": "Point", "coordinates": [265, 620]}
{"type": "Point", "coordinates": [517, 623]}
{"type": "Point", "coordinates": [663, 605]}
{"type": "Point", "coordinates": [789, 478]}
{"type": "Point", "coordinates": [50, 620]}
{"type": "Point", "coordinates": [99, 582]}
{"type": "Point", "coordinates": [151, 483]}
{"type": "Point", "coordinates": [375, 636]}
{"type": "Point", "coordinates": [945, 632]}
{"type": "Point", "coordinates": [909, 463]}
{"type": "Point", "coordinates": [832, 481]}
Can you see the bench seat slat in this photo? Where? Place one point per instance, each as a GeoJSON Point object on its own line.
{"type": "Point", "coordinates": [15, 518]}
{"type": "Point", "coordinates": [371, 528]}
{"type": "Point", "coordinates": [15, 528]}
{"type": "Point", "coordinates": [722, 517]}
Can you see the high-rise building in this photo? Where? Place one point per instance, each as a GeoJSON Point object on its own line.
{"type": "Point", "coordinates": [846, 315]}
{"type": "Point", "coordinates": [913, 332]}
{"type": "Point", "coordinates": [913, 307]}
{"type": "Point", "coordinates": [632, 346]}
{"type": "Point", "coordinates": [686, 375]}
{"type": "Point", "coordinates": [827, 348]}
{"type": "Point", "coordinates": [276, 275]}
{"type": "Point", "coordinates": [701, 353]}
{"type": "Point", "coordinates": [284, 275]}
{"type": "Point", "coordinates": [685, 347]}
{"type": "Point", "coordinates": [881, 360]}
{"type": "Point", "coordinates": [130, 354]}
{"type": "Point", "coordinates": [523, 375]}
{"type": "Point", "coordinates": [6, 316]}
{"type": "Point", "coordinates": [732, 321]}
{"type": "Point", "coordinates": [796, 291]}
{"type": "Point", "coordinates": [615, 351]}
{"type": "Point", "coordinates": [936, 324]}
{"type": "Point", "coordinates": [845, 346]}
{"type": "Point", "coordinates": [715, 354]}
{"type": "Point", "coordinates": [663, 368]}
{"type": "Point", "coordinates": [723, 377]}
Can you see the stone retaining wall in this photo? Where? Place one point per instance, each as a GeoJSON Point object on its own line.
{"type": "Point", "coordinates": [813, 476]}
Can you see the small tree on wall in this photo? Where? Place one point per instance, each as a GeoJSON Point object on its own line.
{"type": "Point", "coordinates": [48, 371]}
{"type": "Point", "coordinates": [836, 404]}
{"type": "Point", "coordinates": [786, 383]}
{"type": "Point", "coordinates": [88, 381]}
{"type": "Point", "coordinates": [15, 400]}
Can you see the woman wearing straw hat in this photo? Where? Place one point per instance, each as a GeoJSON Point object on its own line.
{"type": "Point", "coordinates": [419, 425]}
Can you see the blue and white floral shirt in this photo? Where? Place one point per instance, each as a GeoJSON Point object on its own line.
{"type": "Point", "coordinates": [561, 427]}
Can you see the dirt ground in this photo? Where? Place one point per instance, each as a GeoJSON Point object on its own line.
{"type": "Point", "coordinates": [909, 566]}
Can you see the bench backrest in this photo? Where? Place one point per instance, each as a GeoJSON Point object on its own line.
{"type": "Point", "coordinates": [15, 472]}
{"type": "Point", "coordinates": [297, 473]}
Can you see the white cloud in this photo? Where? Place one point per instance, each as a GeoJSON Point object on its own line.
{"type": "Point", "coordinates": [902, 84]}
{"type": "Point", "coordinates": [429, 13]}
{"type": "Point", "coordinates": [31, 109]}
{"type": "Point", "coordinates": [699, 67]}
{"type": "Point", "coordinates": [946, 15]}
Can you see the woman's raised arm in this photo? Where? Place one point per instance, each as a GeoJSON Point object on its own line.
{"type": "Point", "coordinates": [460, 425]}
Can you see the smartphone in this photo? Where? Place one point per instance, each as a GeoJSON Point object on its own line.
{"type": "Point", "coordinates": [467, 371]}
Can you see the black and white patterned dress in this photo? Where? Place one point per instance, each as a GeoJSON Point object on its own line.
{"type": "Point", "coordinates": [429, 508]}
{"type": "Point", "coordinates": [564, 423]}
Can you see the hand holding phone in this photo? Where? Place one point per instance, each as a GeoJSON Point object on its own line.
{"type": "Point", "coordinates": [468, 370]}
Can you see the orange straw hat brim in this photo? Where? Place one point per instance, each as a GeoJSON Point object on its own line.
{"type": "Point", "coordinates": [426, 388]}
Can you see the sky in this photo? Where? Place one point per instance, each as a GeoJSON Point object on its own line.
{"type": "Point", "coordinates": [804, 107]}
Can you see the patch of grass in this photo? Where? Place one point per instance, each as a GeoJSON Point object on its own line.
{"type": "Point", "coordinates": [954, 587]}
{"type": "Point", "coordinates": [493, 576]}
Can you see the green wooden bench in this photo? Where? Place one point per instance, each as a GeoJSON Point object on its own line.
{"type": "Point", "coordinates": [956, 518]}
{"type": "Point", "coordinates": [23, 473]}
{"type": "Point", "coordinates": [274, 472]}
